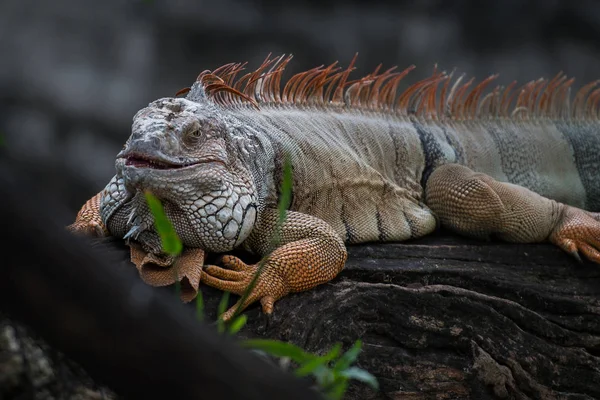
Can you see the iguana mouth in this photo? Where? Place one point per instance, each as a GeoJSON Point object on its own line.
{"type": "Point", "coordinates": [140, 161]}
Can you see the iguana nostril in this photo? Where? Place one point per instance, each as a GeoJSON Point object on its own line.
{"type": "Point", "coordinates": [137, 134]}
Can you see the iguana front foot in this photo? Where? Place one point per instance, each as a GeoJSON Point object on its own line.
{"type": "Point", "coordinates": [311, 253]}
{"type": "Point", "coordinates": [578, 232]}
{"type": "Point", "coordinates": [88, 221]}
{"type": "Point", "coordinates": [269, 287]}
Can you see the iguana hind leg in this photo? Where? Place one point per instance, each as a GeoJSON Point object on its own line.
{"type": "Point", "coordinates": [310, 252]}
{"type": "Point", "coordinates": [595, 215]}
{"type": "Point", "coordinates": [475, 204]}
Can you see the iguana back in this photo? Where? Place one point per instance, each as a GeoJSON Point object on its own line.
{"type": "Point", "coordinates": [357, 160]}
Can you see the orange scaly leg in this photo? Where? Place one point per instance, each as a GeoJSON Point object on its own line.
{"type": "Point", "coordinates": [88, 220]}
{"type": "Point", "coordinates": [475, 204]}
{"type": "Point", "coordinates": [310, 253]}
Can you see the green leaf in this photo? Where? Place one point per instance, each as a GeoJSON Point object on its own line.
{"type": "Point", "coordinates": [286, 189]}
{"type": "Point", "coordinates": [237, 324]}
{"type": "Point", "coordinates": [360, 374]}
{"type": "Point", "coordinates": [337, 389]}
{"type": "Point", "coordinates": [278, 349]}
{"type": "Point", "coordinates": [177, 289]}
{"type": "Point", "coordinates": [250, 287]}
{"type": "Point", "coordinates": [323, 375]}
{"type": "Point", "coordinates": [349, 357]}
{"type": "Point", "coordinates": [168, 237]}
{"type": "Point", "coordinates": [285, 196]}
{"type": "Point", "coordinates": [199, 306]}
{"type": "Point", "coordinates": [334, 352]}
{"type": "Point", "coordinates": [284, 203]}
{"type": "Point", "coordinates": [311, 366]}
{"type": "Point", "coordinates": [220, 310]}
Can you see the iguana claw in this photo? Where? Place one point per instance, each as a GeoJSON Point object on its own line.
{"type": "Point", "coordinates": [578, 232]}
{"type": "Point", "coordinates": [235, 279]}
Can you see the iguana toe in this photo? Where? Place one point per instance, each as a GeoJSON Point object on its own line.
{"type": "Point", "coordinates": [88, 228]}
{"type": "Point", "coordinates": [233, 263]}
{"type": "Point", "coordinates": [578, 232]}
{"type": "Point", "coordinates": [269, 286]}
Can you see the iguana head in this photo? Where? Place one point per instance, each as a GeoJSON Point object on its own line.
{"type": "Point", "coordinates": [185, 154]}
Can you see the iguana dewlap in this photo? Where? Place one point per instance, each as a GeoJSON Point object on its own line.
{"type": "Point", "coordinates": [369, 164]}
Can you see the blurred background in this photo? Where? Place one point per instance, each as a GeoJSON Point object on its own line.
{"type": "Point", "coordinates": [73, 72]}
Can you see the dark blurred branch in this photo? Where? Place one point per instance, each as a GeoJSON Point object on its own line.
{"type": "Point", "coordinates": [140, 342]}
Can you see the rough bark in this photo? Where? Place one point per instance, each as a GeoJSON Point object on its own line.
{"type": "Point", "coordinates": [450, 318]}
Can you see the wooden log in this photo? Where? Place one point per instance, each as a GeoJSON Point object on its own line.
{"type": "Point", "coordinates": [451, 318]}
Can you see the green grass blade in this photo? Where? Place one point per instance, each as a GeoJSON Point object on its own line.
{"type": "Point", "coordinates": [278, 349]}
{"type": "Point", "coordinates": [323, 375]}
{"type": "Point", "coordinates": [311, 366]}
{"type": "Point", "coordinates": [337, 389]}
{"type": "Point", "coordinates": [284, 203]}
{"type": "Point", "coordinates": [200, 306]}
{"type": "Point", "coordinates": [285, 196]}
{"type": "Point", "coordinates": [286, 189]}
{"type": "Point", "coordinates": [334, 352]}
{"type": "Point", "coordinates": [348, 357]}
{"type": "Point", "coordinates": [360, 374]}
{"type": "Point", "coordinates": [220, 310]}
{"type": "Point", "coordinates": [171, 243]}
{"type": "Point", "coordinates": [177, 285]}
{"type": "Point", "coordinates": [237, 324]}
{"type": "Point", "coordinates": [250, 287]}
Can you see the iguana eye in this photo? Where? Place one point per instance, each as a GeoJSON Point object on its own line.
{"type": "Point", "coordinates": [193, 136]}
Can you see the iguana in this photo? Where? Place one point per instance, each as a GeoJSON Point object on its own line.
{"type": "Point", "coordinates": [370, 163]}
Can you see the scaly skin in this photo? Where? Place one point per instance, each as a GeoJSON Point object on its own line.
{"type": "Point", "coordinates": [310, 253]}
{"type": "Point", "coordinates": [163, 271]}
{"type": "Point", "coordinates": [88, 220]}
{"type": "Point", "coordinates": [361, 172]}
{"type": "Point", "coordinates": [476, 205]}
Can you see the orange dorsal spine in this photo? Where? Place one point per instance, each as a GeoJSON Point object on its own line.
{"type": "Point", "coordinates": [330, 87]}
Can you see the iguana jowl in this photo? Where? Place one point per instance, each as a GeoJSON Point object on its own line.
{"type": "Point", "coordinates": [369, 164]}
